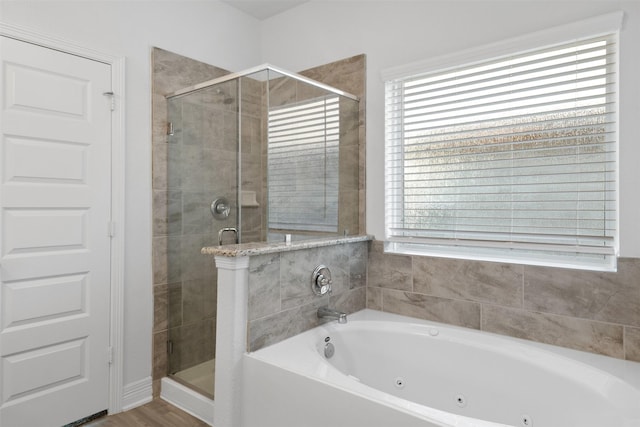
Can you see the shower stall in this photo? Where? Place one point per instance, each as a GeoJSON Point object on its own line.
{"type": "Point", "coordinates": [254, 156]}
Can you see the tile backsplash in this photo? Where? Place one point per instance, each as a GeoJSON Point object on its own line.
{"type": "Point", "coordinates": [281, 303]}
{"type": "Point", "coordinates": [598, 312]}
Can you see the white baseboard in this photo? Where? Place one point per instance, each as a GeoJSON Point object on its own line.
{"type": "Point", "coordinates": [137, 393]}
{"type": "Point", "coordinates": [188, 400]}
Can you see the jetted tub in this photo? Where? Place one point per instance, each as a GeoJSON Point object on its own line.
{"type": "Point", "coordinates": [393, 371]}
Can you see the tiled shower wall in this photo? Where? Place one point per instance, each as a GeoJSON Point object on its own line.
{"type": "Point", "coordinates": [349, 75]}
{"type": "Point", "coordinates": [584, 310]}
{"type": "Point", "coordinates": [286, 91]}
{"type": "Point", "coordinates": [253, 152]}
{"type": "Point", "coordinates": [281, 303]}
{"type": "Point", "coordinates": [184, 280]}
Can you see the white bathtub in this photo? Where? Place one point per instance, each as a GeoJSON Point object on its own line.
{"type": "Point", "coordinates": [393, 371]}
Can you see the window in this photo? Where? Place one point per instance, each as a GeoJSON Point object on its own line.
{"type": "Point", "coordinates": [512, 159]}
{"type": "Point", "coordinates": [303, 166]}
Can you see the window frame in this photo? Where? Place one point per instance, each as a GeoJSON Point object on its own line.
{"type": "Point", "coordinates": [609, 24]}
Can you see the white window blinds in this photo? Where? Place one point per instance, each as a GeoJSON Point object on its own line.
{"type": "Point", "coordinates": [511, 159]}
{"type": "Point", "coordinates": [303, 165]}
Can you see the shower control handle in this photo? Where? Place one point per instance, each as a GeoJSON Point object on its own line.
{"type": "Point", "coordinates": [321, 280]}
{"type": "Point", "coordinates": [220, 208]}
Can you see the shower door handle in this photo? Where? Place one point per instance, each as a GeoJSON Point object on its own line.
{"type": "Point", "coordinates": [224, 230]}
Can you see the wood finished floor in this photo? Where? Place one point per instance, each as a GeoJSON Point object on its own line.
{"type": "Point", "coordinates": [156, 413]}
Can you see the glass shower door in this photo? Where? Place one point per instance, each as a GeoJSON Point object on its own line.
{"type": "Point", "coordinates": [202, 160]}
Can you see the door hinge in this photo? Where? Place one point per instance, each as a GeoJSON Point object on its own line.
{"type": "Point", "coordinates": [110, 355]}
{"type": "Point", "coordinates": [111, 228]}
{"type": "Point", "coordinates": [111, 96]}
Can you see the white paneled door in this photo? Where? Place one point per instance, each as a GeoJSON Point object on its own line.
{"type": "Point", "coordinates": [55, 207]}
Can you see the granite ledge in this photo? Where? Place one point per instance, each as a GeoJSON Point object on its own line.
{"type": "Point", "coordinates": [261, 248]}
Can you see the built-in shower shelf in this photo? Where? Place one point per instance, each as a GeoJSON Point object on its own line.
{"type": "Point", "coordinates": [248, 199]}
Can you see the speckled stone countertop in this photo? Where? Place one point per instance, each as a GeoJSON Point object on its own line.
{"type": "Point", "coordinates": [259, 248]}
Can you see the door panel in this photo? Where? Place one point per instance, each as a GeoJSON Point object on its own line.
{"type": "Point", "coordinates": [68, 358]}
{"type": "Point", "coordinates": [65, 296]}
{"type": "Point", "coordinates": [67, 95]}
{"type": "Point", "coordinates": [55, 194]}
{"type": "Point", "coordinates": [44, 161]}
{"type": "Point", "coordinates": [44, 230]}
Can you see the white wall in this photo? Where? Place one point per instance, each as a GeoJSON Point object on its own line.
{"type": "Point", "coordinates": [209, 31]}
{"type": "Point", "coordinates": [398, 32]}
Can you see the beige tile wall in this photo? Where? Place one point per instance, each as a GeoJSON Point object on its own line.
{"type": "Point", "coordinates": [281, 303]}
{"type": "Point", "coordinates": [349, 75]}
{"type": "Point", "coordinates": [286, 90]}
{"type": "Point", "coordinates": [280, 300]}
{"type": "Point", "coordinates": [184, 280]}
{"type": "Point", "coordinates": [590, 311]}
{"type": "Point", "coordinates": [184, 298]}
{"type": "Point", "coordinates": [254, 169]}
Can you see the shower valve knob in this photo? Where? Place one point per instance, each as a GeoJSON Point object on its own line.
{"type": "Point", "coordinates": [321, 280]}
{"type": "Point", "coordinates": [220, 208]}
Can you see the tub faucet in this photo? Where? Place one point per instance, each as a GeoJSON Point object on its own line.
{"type": "Point", "coordinates": [328, 313]}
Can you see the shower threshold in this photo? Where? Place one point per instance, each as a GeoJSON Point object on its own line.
{"type": "Point", "coordinates": [196, 403]}
{"type": "Point", "coordinates": [201, 377]}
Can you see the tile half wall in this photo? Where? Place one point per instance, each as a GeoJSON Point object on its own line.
{"type": "Point", "coordinates": [590, 311]}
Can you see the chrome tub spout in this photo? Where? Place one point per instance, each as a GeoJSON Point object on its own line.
{"type": "Point", "coordinates": [328, 313]}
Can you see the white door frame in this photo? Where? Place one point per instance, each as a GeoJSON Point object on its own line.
{"type": "Point", "coordinates": [116, 371]}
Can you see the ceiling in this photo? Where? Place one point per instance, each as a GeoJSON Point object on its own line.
{"type": "Point", "coordinates": [263, 9]}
